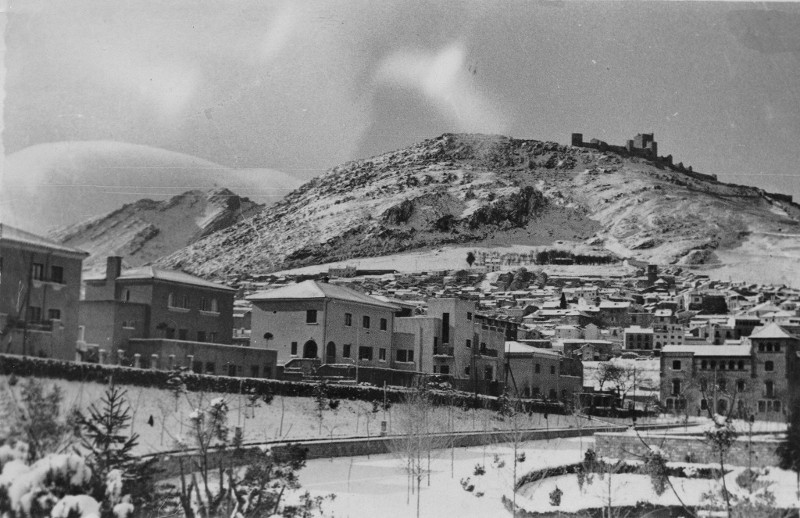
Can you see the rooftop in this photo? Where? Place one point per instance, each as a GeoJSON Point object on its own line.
{"type": "Point", "coordinates": [520, 348]}
{"type": "Point", "coordinates": [709, 350]}
{"type": "Point", "coordinates": [16, 235]}
{"type": "Point", "coordinates": [771, 330]}
{"type": "Point", "coordinates": [153, 273]}
{"type": "Point", "coordinates": [313, 290]}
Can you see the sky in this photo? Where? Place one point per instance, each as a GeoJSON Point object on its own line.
{"type": "Point", "coordinates": [301, 87]}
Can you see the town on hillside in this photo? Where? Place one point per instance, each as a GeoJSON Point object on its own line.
{"type": "Point", "coordinates": [664, 340]}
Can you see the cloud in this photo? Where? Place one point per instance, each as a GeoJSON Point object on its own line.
{"type": "Point", "coordinates": [446, 81]}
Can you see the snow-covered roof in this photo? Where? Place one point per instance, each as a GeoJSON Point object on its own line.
{"type": "Point", "coordinates": [663, 313]}
{"type": "Point", "coordinates": [22, 237]}
{"type": "Point", "coordinates": [708, 350]}
{"type": "Point", "coordinates": [310, 290]}
{"type": "Point", "coordinates": [611, 304]}
{"type": "Point", "coordinates": [771, 330]}
{"type": "Point", "coordinates": [153, 273]}
{"type": "Point", "coordinates": [520, 348]}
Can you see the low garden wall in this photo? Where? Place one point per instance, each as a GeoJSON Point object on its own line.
{"type": "Point", "coordinates": [689, 448]}
{"type": "Point", "coordinates": [169, 463]}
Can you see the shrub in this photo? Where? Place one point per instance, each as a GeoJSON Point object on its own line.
{"type": "Point", "coordinates": [555, 497]}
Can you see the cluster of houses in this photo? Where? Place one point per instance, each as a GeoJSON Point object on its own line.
{"type": "Point", "coordinates": [720, 345]}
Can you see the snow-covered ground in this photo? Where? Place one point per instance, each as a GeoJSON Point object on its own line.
{"type": "Point", "coordinates": [285, 418]}
{"type": "Point", "coordinates": [377, 486]}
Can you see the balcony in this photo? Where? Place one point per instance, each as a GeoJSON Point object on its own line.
{"type": "Point", "coordinates": [443, 350]}
{"type": "Point", "coordinates": [39, 325]}
{"type": "Point", "coordinates": [492, 353]}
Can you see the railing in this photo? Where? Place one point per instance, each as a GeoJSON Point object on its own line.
{"type": "Point", "coordinates": [443, 351]}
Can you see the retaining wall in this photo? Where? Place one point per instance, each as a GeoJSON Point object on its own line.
{"type": "Point", "coordinates": [169, 463]}
{"type": "Point", "coordinates": [688, 449]}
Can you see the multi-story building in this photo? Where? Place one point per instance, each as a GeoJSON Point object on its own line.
{"type": "Point", "coordinates": [318, 320]}
{"type": "Point", "coordinates": [758, 377]}
{"type": "Point", "coordinates": [639, 339]}
{"type": "Point", "coordinates": [451, 340]}
{"type": "Point", "coordinates": [40, 283]}
{"type": "Point", "coordinates": [153, 318]}
{"type": "Point", "coordinates": [666, 330]}
{"type": "Point", "coordinates": [533, 372]}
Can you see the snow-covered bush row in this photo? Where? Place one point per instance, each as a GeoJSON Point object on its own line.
{"type": "Point", "coordinates": [47, 368]}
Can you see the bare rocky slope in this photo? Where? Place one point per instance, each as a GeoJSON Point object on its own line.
{"type": "Point", "coordinates": [492, 190]}
{"type": "Point", "coordinates": [146, 230]}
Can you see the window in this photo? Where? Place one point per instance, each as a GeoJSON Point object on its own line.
{"type": "Point", "coordinates": [346, 350]}
{"type": "Point", "coordinates": [703, 404]}
{"type": "Point", "coordinates": [769, 366]}
{"type": "Point", "coordinates": [34, 314]}
{"type": "Point", "coordinates": [231, 370]}
{"type": "Point", "coordinates": [127, 295]}
{"type": "Point", "coordinates": [183, 334]}
{"type": "Point", "coordinates": [469, 343]}
{"type": "Point", "coordinates": [401, 355]}
{"type": "Point", "coordinates": [53, 314]}
{"type": "Point", "coordinates": [469, 315]}
{"type": "Point", "coordinates": [212, 337]}
{"type": "Point", "coordinates": [410, 356]}
{"type": "Point", "coordinates": [254, 371]}
{"type": "Point", "coordinates": [703, 365]}
{"type": "Point", "coordinates": [761, 348]}
{"type": "Point", "coordinates": [365, 322]}
{"type": "Point", "coordinates": [552, 369]}
{"type": "Point", "coordinates": [488, 373]}
{"type": "Point", "coordinates": [466, 370]}
{"type": "Point", "coordinates": [37, 271]}
{"type": "Point", "coordinates": [311, 316]}
{"type": "Point", "coordinates": [384, 324]}
{"type": "Point", "coordinates": [294, 349]}
{"type": "Point", "coordinates": [365, 353]}
{"type": "Point", "coordinates": [171, 300]}
{"type": "Point", "coordinates": [552, 394]}
{"type": "Point", "coordinates": [382, 355]}
{"type": "Point", "coordinates": [444, 369]}
{"type": "Point", "coordinates": [741, 365]}
{"type": "Point", "coordinates": [676, 387]}
{"type": "Point", "coordinates": [57, 274]}
{"type": "Point", "coordinates": [769, 389]}
{"type": "Point", "coordinates": [185, 302]}
{"type": "Point", "coordinates": [197, 367]}
{"type": "Point", "coordinates": [201, 336]}
{"type": "Point", "coordinates": [777, 348]}
{"type": "Point", "coordinates": [762, 406]}
{"type": "Point", "coordinates": [210, 368]}
{"type": "Point", "coordinates": [204, 304]}
{"type": "Point", "coordinates": [348, 319]}
{"type": "Point", "coordinates": [676, 365]}
{"type": "Point", "coordinates": [537, 368]}
{"type": "Point", "coordinates": [740, 386]}
{"type": "Point", "coordinates": [776, 406]}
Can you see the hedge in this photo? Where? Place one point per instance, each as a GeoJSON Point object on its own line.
{"type": "Point", "coordinates": [162, 379]}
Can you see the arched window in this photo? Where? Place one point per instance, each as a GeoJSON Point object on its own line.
{"type": "Point", "coordinates": [214, 306]}
{"type": "Point", "coordinates": [171, 300]}
{"type": "Point", "coordinates": [769, 366]}
{"type": "Point", "coordinates": [741, 365]}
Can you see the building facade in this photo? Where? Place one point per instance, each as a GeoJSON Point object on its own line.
{"type": "Point", "coordinates": [150, 303]}
{"type": "Point", "coordinates": [317, 320]}
{"type": "Point", "coordinates": [542, 373]}
{"type": "Point", "coordinates": [40, 284]}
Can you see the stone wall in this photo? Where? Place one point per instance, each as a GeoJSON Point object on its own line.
{"type": "Point", "coordinates": [169, 463]}
{"type": "Point", "coordinates": [688, 448]}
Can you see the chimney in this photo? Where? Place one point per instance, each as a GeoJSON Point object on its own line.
{"type": "Point", "coordinates": [113, 267]}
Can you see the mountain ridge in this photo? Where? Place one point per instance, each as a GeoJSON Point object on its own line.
{"type": "Point", "coordinates": [488, 189]}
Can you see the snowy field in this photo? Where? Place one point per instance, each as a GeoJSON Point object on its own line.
{"type": "Point", "coordinates": [377, 486]}
{"type": "Point", "coordinates": [285, 418]}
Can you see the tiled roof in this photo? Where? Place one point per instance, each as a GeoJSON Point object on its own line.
{"type": "Point", "coordinates": [27, 238]}
{"type": "Point", "coordinates": [309, 290]}
{"type": "Point", "coordinates": [151, 272]}
{"type": "Point", "coordinates": [771, 330]}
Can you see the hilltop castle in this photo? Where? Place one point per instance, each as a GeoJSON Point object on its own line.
{"type": "Point", "coordinates": [642, 145]}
